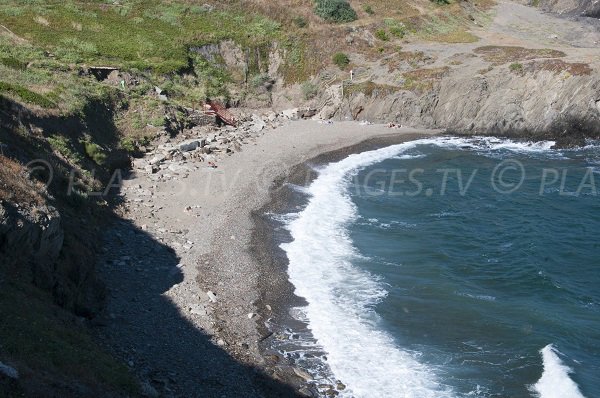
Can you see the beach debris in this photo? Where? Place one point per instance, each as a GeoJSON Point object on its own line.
{"type": "Point", "coordinates": [8, 371]}
{"type": "Point", "coordinates": [211, 296]}
{"type": "Point", "coordinates": [221, 343]}
{"type": "Point", "coordinates": [251, 315]}
{"type": "Point", "coordinates": [268, 307]}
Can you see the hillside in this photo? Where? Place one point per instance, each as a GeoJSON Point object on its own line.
{"type": "Point", "coordinates": [88, 87]}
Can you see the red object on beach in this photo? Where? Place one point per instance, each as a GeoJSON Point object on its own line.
{"type": "Point", "coordinates": [222, 113]}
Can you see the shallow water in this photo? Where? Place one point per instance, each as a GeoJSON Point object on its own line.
{"type": "Point", "coordinates": [453, 267]}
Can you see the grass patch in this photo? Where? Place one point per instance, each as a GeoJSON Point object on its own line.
{"type": "Point", "coordinates": [149, 34]}
{"type": "Point", "coordinates": [499, 55]}
{"type": "Point", "coordinates": [14, 63]}
{"type": "Point", "coordinates": [395, 27]}
{"type": "Point", "coordinates": [63, 146]}
{"type": "Point", "coordinates": [26, 95]}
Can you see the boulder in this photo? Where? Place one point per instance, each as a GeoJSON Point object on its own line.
{"type": "Point", "coordinates": [190, 145]}
{"type": "Point", "coordinates": [257, 124]}
{"type": "Point", "coordinates": [158, 158]}
{"type": "Point", "coordinates": [291, 114]}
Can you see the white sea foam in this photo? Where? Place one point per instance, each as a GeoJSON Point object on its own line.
{"type": "Point", "coordinates": [555, 381]}
{"type": "Point", "coordinates": [341, 296]}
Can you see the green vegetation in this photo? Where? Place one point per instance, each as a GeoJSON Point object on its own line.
{"type": "Point", "coordinates": [368, 9]}
{"type": "Point", "coordinates": [381, 34]}
{"type": "Point", "coordinates": [341, 60]}
{"type": "Point", "coordinates": [516, 67]}
{"type": "Point", "coordinates": [26, 95]}
{"type": "Point", "coordinates": [446, 27]}
{"type": "Point", "coordinates": [338, 11]}
{"type": "Point", "coordinates": [395, 27]}
{"type": "Point", "coordinates": [14, 63]}
{"type": "Point", "coordinates": [441, 2]}
{"type": "Point", "coordinates": [63, 146]}
{"type": "Point", "coordinates": [149, 34]}
{"type": "Point", "coordinates": [95, 152]}
{"type": "Point", "coordinates": [309, 90]}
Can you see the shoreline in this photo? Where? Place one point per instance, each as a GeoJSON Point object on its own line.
{"type": "Point", "coordinates": [274, 294]}
{"type": "Point", "coordinates": [230, 282]}
{"type": "Point", "coordinates": [272, 260]}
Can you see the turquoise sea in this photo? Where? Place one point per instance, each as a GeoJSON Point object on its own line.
{"type": "Point", "coordinates": [454, 267]}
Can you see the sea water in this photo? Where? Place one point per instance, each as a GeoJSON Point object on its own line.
{"type": "Point", "coordinates": [454, 267]}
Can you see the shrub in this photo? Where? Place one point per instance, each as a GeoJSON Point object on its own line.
{"type": "Point", "coordinates": [300, 22]}
{"type": "Point", "coordinates": [381, 34]}
{"type": "Point", "coordinates": [95, 152]}
{"type": "Point", "coordinates": [516, 67]}
{"type": "Point", "coordinates": [341, 60]}
{"type": "Point", "coordinates": [335, 11]}
{"type": "Point", "coordinates": [309, 90]}
{"type": "Point", "coordinates": [368, 9]}
{"type": "Point", "coordinates": [441, 2]}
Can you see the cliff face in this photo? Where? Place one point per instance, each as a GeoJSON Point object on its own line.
{"type": "Point", "coordinates": [545, 104]}
{"type": "Point", "coordinates": [584, 8]}
{"type": "Point", "coordinates": [32, 247]}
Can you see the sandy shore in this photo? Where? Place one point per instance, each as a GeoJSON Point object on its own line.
{"type": "Point", "coordinates": [227, 285]}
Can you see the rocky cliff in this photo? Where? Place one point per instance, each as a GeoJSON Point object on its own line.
{"type": "Point", "coordinates": [536, 104]}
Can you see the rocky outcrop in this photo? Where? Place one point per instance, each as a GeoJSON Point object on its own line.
{"type": "Point", "coordinates": [535, 103]}
{"type": "Point", "coordinates": [32, 238]}
{"type": "Point", "coordinates": [32, 247]}
{"type": "Point", "coordinates": [584, 8]}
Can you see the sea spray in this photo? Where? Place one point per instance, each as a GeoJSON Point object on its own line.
{"type": "Point", "coordinates": [555, 381]}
